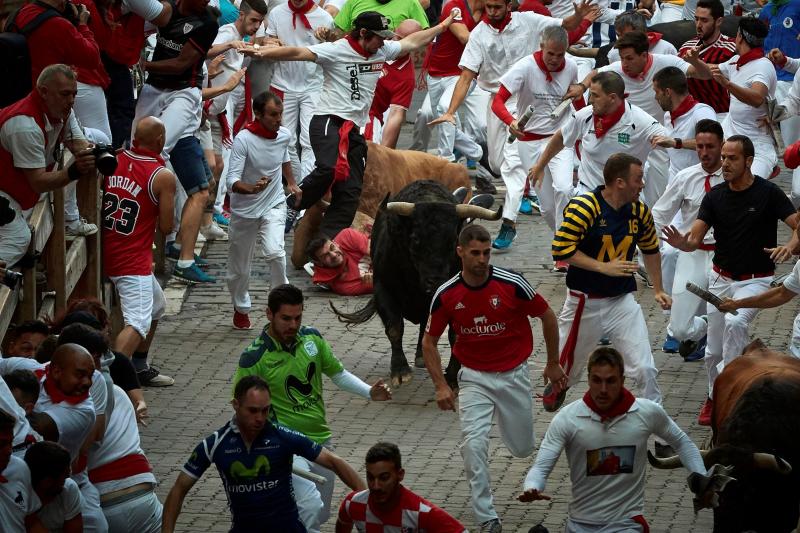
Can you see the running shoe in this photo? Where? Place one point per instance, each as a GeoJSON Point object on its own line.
{"type": "Point", "coordinates": [561, 266]}
{"type": "Point", "coordinates": [492, 526]}
{"type": "Point", "coordinates": [693, 350]}
{"type": "Point", "coordinates": [151, 377]}
{"type": "Point", "coordinates": [192, 274]}
{"type": "Point", "coordinates": [220, 219]}
{"type": "Point", "coordinates": [80, 228]}
{"type": "Point", "coordinates": [241, 320]}
{"type": "Point", "coordinates": [212, 232]}
{"type": "Point", "coordinates": [525, 207]}
{"type": "Point", "coordinates": [505, 237]}
{"type": "Point", "coordinates": [173, 254]}
{"type": "Point", "coordinates": [671, 345]}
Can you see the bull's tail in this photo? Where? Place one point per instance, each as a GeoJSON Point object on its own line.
{"type": "Point", "coordinates": [356, 317]}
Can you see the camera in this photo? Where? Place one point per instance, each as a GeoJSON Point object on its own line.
{"type": "Point", "coordinates": [10, 278]}
{"type": "Point", "coordinates": [72, 12]}
{"type": "Point", "coordinates": [105, 159]}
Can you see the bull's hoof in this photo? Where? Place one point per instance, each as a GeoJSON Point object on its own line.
{"type": "Point", "coordinates": [419, 361]}
{"type": "Point", "coordinates": [401, 377]}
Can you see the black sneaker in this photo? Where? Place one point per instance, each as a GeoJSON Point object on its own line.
{"type": "Point", "coordinates": [151, 377]}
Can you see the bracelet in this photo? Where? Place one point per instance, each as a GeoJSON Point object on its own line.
{"type": "Point", "coordinates": [73, 173]}
{"type": "Point", "coordinates": [678, 143]}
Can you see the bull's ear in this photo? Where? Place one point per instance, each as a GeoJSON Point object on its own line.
{"type": "Point", "coordinates": [385, 201]}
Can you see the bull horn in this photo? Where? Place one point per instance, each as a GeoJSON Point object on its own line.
{"type": "Point", "coordinates": [404, 209]}
{"type": "Point", "coordinates": [768, 461]}
{"type": "Point", "coordinates": [474, 211]}
{"type": "Point", "coordinates": [664, 463]}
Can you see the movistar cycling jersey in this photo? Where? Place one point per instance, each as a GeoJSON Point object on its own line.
{"type": "Point", "coordinates": [294, 374]}
{"type": "Point", "coordinates": [258, 481]}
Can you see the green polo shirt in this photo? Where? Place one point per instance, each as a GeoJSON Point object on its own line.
{"type": "Point", "coordinates": [395, 10]}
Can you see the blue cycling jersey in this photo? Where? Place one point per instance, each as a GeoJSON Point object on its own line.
{"type": "Point", "coordinates": [784, 28]}
{"type": "Point", "coordinates": [258, 481]}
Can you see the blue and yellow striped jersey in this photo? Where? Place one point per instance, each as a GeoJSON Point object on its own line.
{"type": "Point", "coordinates": [603, 233]}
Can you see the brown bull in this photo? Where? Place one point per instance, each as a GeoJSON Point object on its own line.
{"type": "Point", "coordinates": [387, 172]}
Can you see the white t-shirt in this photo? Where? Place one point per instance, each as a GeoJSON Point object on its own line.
{"type": "Point", "coordinates": [491, 53]}
{"type": "Point", "coordinates": [8, 403]}
{"type": "Point", "coordinates": [529, 84]}
{"type": "Point", "coordinates": [297, 76]}
{"type": "Point", "coordinates": [744, 119]}
{"type": "Point", "coordinates": [233, 62]}
{"type": "Point", "coordinates": [147, 9]}
{"type": "Point", "coordinates": [640, 90]}
{"type": "Point", "coordinates": [251, 158]}
{"type": "Point", "coordinates": [608, 459]}
{"type": "Point", "coordinates": [121, 440]}
{"type": "Point", "coordinates": [684, 193]}
{"type": "Point", "coordinates": [663, 46]}
{"type": "Point", "coordinates": [65, 506]}
{"type": "Point", "coordinates": [17, 498]}
{"type": "Point", "coordinates": [631, 135]}
{"type": "Point", "coordinates": [350, 78]}
{"type": "Point", "coordinates": [74, 421]}
{"type": "Point", "coordinates": [792, 281]}
{"type": "Point", "coordinates": [684, 129]}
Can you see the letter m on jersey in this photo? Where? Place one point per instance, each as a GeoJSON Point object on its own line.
{"type": "Point", "coordinates": [609, 252]}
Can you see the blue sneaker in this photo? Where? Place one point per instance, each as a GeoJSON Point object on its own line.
{"type": "Point", "coordinates": [192, 274]}
{"type": "Point", "coordinates": [472, 164]}
{"type": "Point", "coordinates": [693, 350]}
{"type": "Point", "coordinates": [291, 217]}
{"type": "Point", "coordinates": [671, 345]}
{"type": "Point", "coordinates": [504, 238]}
{"type": "Point", "coordinates": [525, 207]}
{"type": "Point", "coordinates": [220, 219]}
{"type": "Point", "coordinates": [173, 254]}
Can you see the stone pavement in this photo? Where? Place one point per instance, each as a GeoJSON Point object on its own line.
{"type": "Point", "coordinates": [197, 345]}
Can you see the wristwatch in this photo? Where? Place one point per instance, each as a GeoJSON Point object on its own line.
{"type": "Point", "coordinates": [678, 143]}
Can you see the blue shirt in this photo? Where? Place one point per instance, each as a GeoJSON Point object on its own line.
{"type": "Point", "coordinates": [258, 481]}
{"type": "Point", "coordinates": [784, 27]}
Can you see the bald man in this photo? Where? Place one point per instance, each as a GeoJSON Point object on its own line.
{"type": "Point", "coordinates": [392, 94]}
{"type": "Point", "coordinates": [140, 193]}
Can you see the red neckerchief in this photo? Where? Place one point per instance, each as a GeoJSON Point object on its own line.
{"type": "Point", "coordinates": [499, 26]}
{"type": "Point", "coordinates": [624, 403]}
{"type": "Point", "coordinates": [537, 56]}
{"type": "Point", "coordinates": [300, 12]}
{"type": "Point", "coordinates": [147, 153]}
{"type": "Point", "coordinates": [603, 124]}
{"type": "Point", "coordinates": [688, 103]}
{"type": "Point", "coordinates": [257, 128]}
{"type": "Point", "coordinates": [357, 47]}
{"type": "Point", "coordinates": [3, 479]}
{"type": "Point", "coordinates": [752, 55]}
{"type": "Point", "coordinates": [56, 396]}
{"type": "Point", "coordinates": [652, 38]}
{"type": "Point", "coordinates": [647, 66]}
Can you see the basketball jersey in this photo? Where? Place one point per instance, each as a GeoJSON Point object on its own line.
{"type": "Point", "coordinates": [130, 212]}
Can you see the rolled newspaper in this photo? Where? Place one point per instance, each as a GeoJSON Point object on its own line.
{"type": "Point", "coordinates": [523, 120]}
{"type": "Point", "coordinates": [305, 474]}
{"type": "Point", "coordinates": [703, 294]}
{"type": "Point", "coordinates": [559, 110]}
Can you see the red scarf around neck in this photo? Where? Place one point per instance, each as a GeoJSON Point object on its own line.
{"type": "Point", "coordinates": [357, 47]}
{"type": "Point", "coordinates": [56, 396]}
{"type": "Point", "coordinates": [684, 107]}
{"type": "Point", "coordinates": [300, 12]}
{"type": "Point", "coordinates": [647, 66]}
{"type": "Point", "coordinates": [256, 128]}
{"type": "Point", "coordinates": [537, 56]}
{"type": "Point", "coordinates": [603, 124]}
{"type": "Point", "coordinates": [752, 55]}
{"type": "Point", "coordinates": [653, 37]}
{"type": "Point", "coordinates": [624, 403]}
{"type": "Point", "coordinates": [499, 26]}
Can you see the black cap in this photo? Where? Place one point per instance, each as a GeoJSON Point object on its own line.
{"type": "Point", "coordinates": [374, 22]}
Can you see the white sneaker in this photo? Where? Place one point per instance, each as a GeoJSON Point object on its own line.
{"type": "Point", "coordinates": [80, 228]}
{"type": "Point", "coordinates": [309, 268]}
{"type": "Point", "coordinates": [212, 232]}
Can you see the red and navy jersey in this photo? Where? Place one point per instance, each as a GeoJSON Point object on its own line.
{"type": "Point", "coordinates": [491, 321]}
{"type": "Point", "coordinates": [130, 212]}
{"type": "Point", "coordinates": [709, 91]}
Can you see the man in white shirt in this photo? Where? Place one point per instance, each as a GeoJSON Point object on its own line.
{"type": "Point", "coordinates": [495, 44]}
{"type": "Point", "coordinates": [750, 77]}
{"type": "Point", "coordinates": [605, 436]}
{"type": "Point", "coordinates": [539, 81]}
{"type": "Point", "coordinates": [13, 397]}
{"type": "Point", "coordinates": [682, 198]}
{"type": "Point", "coordinates": [351, 67]}
{"type": "Point", "coordinates": [49, 464]}
{"type": "Point", "coordinates": [18, 501]}
{"type": "Point", "coordinates": [259, 160]}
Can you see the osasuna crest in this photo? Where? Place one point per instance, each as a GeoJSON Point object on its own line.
{"type": "Point", "coordinates": [311, 348]}
{"type": "Point", "coordinates": [187, 28]}
{"type": "Point", "coordinates": [494, 301]}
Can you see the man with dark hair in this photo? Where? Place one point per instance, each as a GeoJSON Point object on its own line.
{"type": "Point", "coordinates": [254, 457]}
{"type": "Point", "coordinates": [713, 48]}
{"type": "Point", "coordinates": [342, 264]}
{"type": "Point", "coordinates": [18, 501]}
{"type": "Point", "coordinates": [258, 163]}
{"type": "Point", "coordinates": [292, 359]}
{"type": "Point", "coordinates": [386, 498]}
{"type": "Point", "coordinates": [633, 20]}
{"type": "Point", "coordinates": [25, 338]}
{"type": "Point", "coordinates": [49, 463]}
{"type": "Point", "coordinates": [24, 386]}
{"type": "Point", "coordinates": [744, 212]}
{"type": "Point", "coordinates": [19, 403]}
{"type": "Point", "coordinates": [605, 436]}
{"type": "Point", "coordinates": [488, 308]}
{"type": "Point", "coordinates": [600, 234]}
{"type": "Point", "coordinates": [684, 194]}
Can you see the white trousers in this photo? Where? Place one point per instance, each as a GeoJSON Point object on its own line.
{"type": "Point", "coordinates": [15, 237]}
{"type": "Point", "coordinates": [90, 108]}
{"type": "Point", "coordinates": [440, 93]}
{"type": "Point", "coordinates": [313, 501]}
{"type": "Point", "coordinates": [583, 321]}
{"type": "Point", "coordinates": [685, 323]}
{"type": "Point", "coordinates": [790, 129]}
{"type": "Point", "coordinates": [297, 111]}
{"type": "Point", "coordinates": [138, 515]}
{"type": "Point", "coordinates": [462, 142]}
{"type": "Point", "coordinates": [728, 334]}
{"type": "Point", "coordinates": [483, 396]}
{"type": "Point", "coordinates": [504, 157]}
{"type": "Point", "coordinates": [766, 158]}
{"type": "Point", "coordinates": [556, 188]}
{"type": "Point", "coordinates": [242, 236]}
{"type": "Point", "coordinates": [619, 526]}
{"type": "Point", "coordinates": [669, 258]}
{"type": "Point", "coordinates": [94, 521]}
{"type": "Point", "coordinates": [656, 175]}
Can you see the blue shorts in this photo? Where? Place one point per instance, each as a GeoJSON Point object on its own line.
{"type": "Point", "coordinates": [190, 165]}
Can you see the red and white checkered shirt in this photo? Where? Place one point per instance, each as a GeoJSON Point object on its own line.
{"type": "Point", "coordinates": [412, 514]}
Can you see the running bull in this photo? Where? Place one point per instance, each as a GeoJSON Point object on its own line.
{"type": "Point", "coordinates": [756, 432]}
{"type": "Point", "coordinates": [413, 252]}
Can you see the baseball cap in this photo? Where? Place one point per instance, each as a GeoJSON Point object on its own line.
{"type": "Point", "coordinates": [374, 22]}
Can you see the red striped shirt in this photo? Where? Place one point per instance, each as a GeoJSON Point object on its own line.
{"type": "Point", "coordinates": [709, 91]}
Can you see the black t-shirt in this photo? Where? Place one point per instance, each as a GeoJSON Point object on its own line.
{"type": "Point", "coordinates": [195, 30]}
{"type": "Point", "coordinates": [745, 222]}
{"type": "Point", "coordinates": [123, 374]}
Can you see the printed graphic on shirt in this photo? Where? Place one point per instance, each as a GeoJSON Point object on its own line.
{"type": "Point", "coordinates": [610, 461]}
{"type": "Point", "coordinates": [302, 388]}
{"type": "Point", "coordinates": [355, 70]}
{"type": "Point", "coordinates": [260, 467]}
